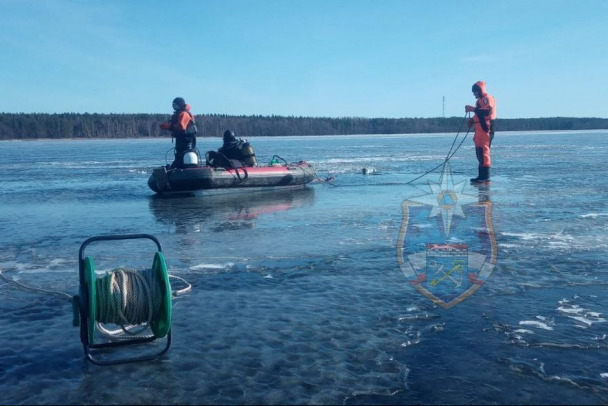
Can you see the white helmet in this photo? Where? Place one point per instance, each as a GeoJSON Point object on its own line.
{"type": "Point", "coordinates": [190, 158]}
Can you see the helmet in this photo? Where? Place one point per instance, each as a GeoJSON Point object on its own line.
{"type": "Point", "coordinates": [179, 103]}
{"type": "Point", "coordinates": [190, 158]}
{"type": "Point", "coordinates": [229, 136]}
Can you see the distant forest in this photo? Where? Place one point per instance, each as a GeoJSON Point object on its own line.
{"type": "Point", "coordinates": [72, 125]}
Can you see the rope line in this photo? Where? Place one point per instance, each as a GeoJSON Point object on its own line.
{"type": "Point", "coordinates": [450, 154]}
{"type": "Point", "coordinates": [21, 285]}
{"type": "Point", "coordinates": [175, 292]}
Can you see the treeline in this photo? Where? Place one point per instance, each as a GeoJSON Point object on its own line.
{"type": "Point", "coordinates": [72, 125]}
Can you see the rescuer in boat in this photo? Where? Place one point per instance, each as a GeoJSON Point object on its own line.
{"type": "Point", "coordinates": [483, 122]}
{"type": "Point", "coordinates": [183, 129]}
{"type": "Point", "coordinates": [235, 152]}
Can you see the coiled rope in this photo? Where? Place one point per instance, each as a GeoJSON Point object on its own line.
{"type": "Point", "coordinates": [127, 297]}
{"type": "Point", "coordinates": [131, 300]}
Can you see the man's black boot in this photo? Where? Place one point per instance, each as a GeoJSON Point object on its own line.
{"type": "Point", "coordinates": [484, 175]}
{"type": "Point", "coordinates": [473, 180]}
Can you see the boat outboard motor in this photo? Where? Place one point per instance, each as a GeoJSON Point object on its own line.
{"type": "Point", "coordinates": [190, 159]}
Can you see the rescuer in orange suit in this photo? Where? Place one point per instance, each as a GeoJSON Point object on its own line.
{"type": "Point", "coordinates": [483, 122]}
{"type": "Point", "coordinates": [183, 128]}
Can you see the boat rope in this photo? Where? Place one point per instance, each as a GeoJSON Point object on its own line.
{"type": "Point", "coordinates": [311, 171]}
{"type": "Point", "coordinates": [175, 292]}
{"type": "Point", "coordinates": [450, 154]}
{"type": "Point", "coordinates": [23, 286]}
{"type": "Point", "coordinates": [316, 178]}
{"type": "Point", "coordinates": [326, 181]}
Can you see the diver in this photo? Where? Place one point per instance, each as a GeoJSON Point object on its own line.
{"type": "Point", "coordinates": [234, 152]}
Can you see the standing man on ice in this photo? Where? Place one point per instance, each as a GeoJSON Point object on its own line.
{"type": "Point", "coordinates": [483, 120]}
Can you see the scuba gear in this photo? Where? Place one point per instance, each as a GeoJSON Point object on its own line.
{"type": "Point", "coordinates": [248, 154]}
{"type": "Point", "coordinates": [237, 149]}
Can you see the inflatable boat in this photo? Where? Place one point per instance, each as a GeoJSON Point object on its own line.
{"type": "Point", "coordinates": [207, 179]}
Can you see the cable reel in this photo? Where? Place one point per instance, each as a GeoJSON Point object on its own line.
{"type": "Point", "coordinates": [136, 303]}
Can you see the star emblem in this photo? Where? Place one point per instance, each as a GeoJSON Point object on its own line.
{"type": "Point", "coordinates": [446, 198]}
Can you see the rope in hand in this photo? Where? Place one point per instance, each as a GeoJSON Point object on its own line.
{"type": "Point", "coordinates": [450, 154]}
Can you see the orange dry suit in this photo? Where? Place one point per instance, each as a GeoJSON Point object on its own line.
{"type": "Point", "coordinates": [483, 120]}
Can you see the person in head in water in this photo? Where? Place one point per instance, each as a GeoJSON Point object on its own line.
{"type": "Point", "coordinates": [183, 128]}
{"type": "Point", "coordinates": [483, 122]}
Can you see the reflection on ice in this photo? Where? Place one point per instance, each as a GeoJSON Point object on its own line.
{"type": "Point", "coordinates": [225, 212]}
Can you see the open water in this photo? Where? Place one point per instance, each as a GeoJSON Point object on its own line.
{"type": "Point", "coordinates": [298, 297]}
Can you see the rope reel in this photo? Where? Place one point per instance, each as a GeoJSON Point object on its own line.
{"type": "Point", "coordinates": [137, 302]}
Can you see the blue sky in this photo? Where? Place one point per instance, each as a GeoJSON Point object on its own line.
{"type": "Point", "coordinates": [326, 58]}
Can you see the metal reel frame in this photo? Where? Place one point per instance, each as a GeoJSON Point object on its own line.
{"type": "Point", "coordinates": [84, 307]}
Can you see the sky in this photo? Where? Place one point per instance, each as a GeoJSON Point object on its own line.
{"type": "Point", "coordinates": [312, 58]}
